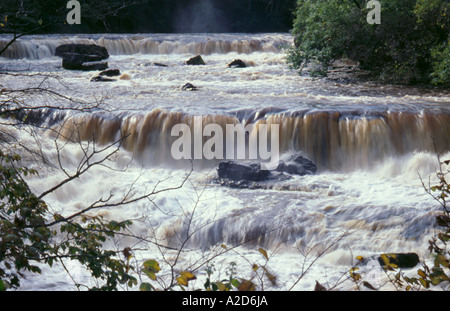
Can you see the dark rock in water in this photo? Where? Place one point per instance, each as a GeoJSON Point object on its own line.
{"type": "Point", "coordinates": [92, 52]}
{"type": "Point", "coordinates": [110, 73]}
{"type": "Point", "coordinates": [238, 171]}
{"type": "Point", "coordinates": [85, 57]}
{"type": "Point", "coordinates": [93, 66]}
{"type": "Point", "coordinates": [402, 260]}
{"type": "Point", "coordinates": [251, 176]}
{"type": "Point", "coordinates": [237, 63]}
{"type": "Point", "coordinates": [160, 65]}
{"type": "Point", "coordinates": [196, 60]}
{"type": "Point", "coordinates": [298, 165]}
{"type": "Point", "coordinates": [101, 79]}
{"type": "Point", "coordinates": [73, 63]}
{"type": "Point", "coordinates": [189, 87]}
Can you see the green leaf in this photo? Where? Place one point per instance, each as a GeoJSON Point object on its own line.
{"type": "Point", "coordinates": [145, 287]}
{"type": "Point", "coordinates": [152, 265]}
{"type": "Point", "coordinates": [235, 283]}
{"type": "Point", "coordinates": [149, 273]}
{"type": "Point", "coordinates": [442, 260]}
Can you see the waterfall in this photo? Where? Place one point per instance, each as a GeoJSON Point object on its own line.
{"type": "Point", "coordinates": [35, 47]}
{"type": "Point", "coordinates": [334, 140]}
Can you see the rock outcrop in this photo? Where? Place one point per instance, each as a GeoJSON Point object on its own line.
{"type": "Point", "coordinates": [86, 57]}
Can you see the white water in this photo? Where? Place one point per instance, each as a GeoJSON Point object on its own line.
{"type": "Point", "coordinates": [383, 205]}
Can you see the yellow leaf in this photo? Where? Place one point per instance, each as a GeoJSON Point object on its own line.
{"type": "Point", "coordinates": [424, 283]}
{"type": "Point", "coordinates": [264, 253]}
{"type": "Point", "coordinates": [1, 24]}
{"type": "Point", "coordinates": [182, 281]}
{"type": "Point", "coordinates": [221, 286]}
{"type": "Point", "coordinates": [360, 258]}
{"type": "Point", "coordinates": [185, 277]}
{"type": "Point", "coordinates": [255, 267]}
{"type": "Point", "coordinates": [392, 255]}
{"type": "Point", "coordinates": [385, 259]}
{"type": "Point", "coordinates": [223, 246]}
{"type": "Point", "coordinates": [6, 18]}
{"type": "Point", "coordinates": [421, 273]}
{"type": "Point", "coordinates": [188, 275]}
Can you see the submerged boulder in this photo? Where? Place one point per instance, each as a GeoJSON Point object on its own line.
{"type": "Point", "coordinates": [101, 79]}
{"type": "Point", "coordinates": [237, 63]}
{"type": "Point", "coordinates": [196, 60]}
{"type": "Point", "coordinates": [189, 87]}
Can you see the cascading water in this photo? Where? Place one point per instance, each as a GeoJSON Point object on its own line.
{"type": "Point", "coordinates": [371, 143]}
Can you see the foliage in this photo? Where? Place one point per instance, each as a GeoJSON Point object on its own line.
{"type": "Point", "coordinates": [135, 16]}
{"type": "Point", "coordinates": [410, 45]}
{"type": "Point", "coordinates": [30, 237]}
{"type": "Point", "coordinates": [231, 282]}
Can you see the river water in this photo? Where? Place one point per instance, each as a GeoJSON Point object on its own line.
{"type": "Point", "coordinates": [372, 145]}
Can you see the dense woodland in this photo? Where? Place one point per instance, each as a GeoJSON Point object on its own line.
{"type": "Point", "coordinates": [131, 16]}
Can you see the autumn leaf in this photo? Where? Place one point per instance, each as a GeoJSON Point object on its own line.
{"type": "Point", "coordinates": [264, 253]}
{"type": "Point", "coordinates": [246, 285]}
{"type": "Point", "coordinates": [185, 277]}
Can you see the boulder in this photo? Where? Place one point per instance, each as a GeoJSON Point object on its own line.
{"type": "Point", "coordinates": [237, 63]}
{"type": "Point", "coordinates": [297, 165]}
{"type": "Point", "coordinates": [94, 66]}
{"type": "Point", "coordinates": [241, 171]}
{"type": "Point", "coordinates": [110, 73]}
{"type": "Point", "coordinates": [85, 57]}
{"type": "Point", "coordinates": [250, 175]}
{"type": "Point", "coordinates": [160, 65]}
{"type": "Point", "coordinates": [74, 63]}
{"type": "Point", "coordinates": [189, 87]}
{"type": "Point", "coordinates": [402, 260]}
{"type": "Point", "coordinates": [196, 60]}
{"type": "Point", "coordinates": [92, 52]}
{"type": "Point", "coordinates": [101, 79]}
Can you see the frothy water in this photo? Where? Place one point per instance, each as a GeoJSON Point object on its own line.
{"type": "Point", "coordinates": [372, 145]}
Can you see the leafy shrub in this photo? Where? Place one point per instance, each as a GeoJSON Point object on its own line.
{"type": "Point", "coordinates": [410, 45]}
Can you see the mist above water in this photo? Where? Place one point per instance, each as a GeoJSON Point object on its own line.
{"type": "Point", "coordinates": [200, 16]}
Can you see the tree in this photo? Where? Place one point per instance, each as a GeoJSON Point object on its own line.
{"type": "Point", "coordinates": [409, 46]}
{"type": "Point", "coordinates": [31, 233]}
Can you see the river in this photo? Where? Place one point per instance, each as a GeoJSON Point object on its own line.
{"type": "Point", "coordinates": [372, 145]}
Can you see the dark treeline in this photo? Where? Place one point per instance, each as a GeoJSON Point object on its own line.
{"type": "Point", "coordinates": [159, 16]}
